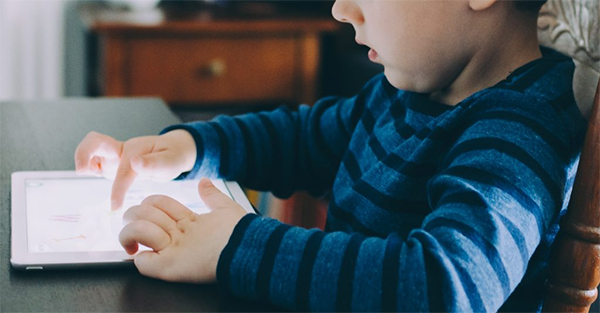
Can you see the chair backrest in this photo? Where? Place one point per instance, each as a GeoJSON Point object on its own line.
{"type": "Point", "coordinates": [573, 27]}
{"type": "Point", "coordinates": [575, 260]}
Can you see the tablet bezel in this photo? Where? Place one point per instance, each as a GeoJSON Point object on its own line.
{"type": "Point", "coordinates": [21, 258]}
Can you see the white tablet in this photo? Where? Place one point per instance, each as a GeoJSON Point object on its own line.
{"type": "Point", "coordinates": [63, 220]}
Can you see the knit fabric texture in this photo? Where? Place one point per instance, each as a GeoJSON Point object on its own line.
{"type": "Point", "coordinates": [432, 207]}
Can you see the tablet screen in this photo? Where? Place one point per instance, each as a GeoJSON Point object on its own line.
{"type": "Point", "coordinates": [74, 215]}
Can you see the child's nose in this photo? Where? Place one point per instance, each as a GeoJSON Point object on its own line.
{"type": "Point", "coordinates": [347, 11]}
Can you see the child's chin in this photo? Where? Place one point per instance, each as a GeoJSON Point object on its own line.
{"type": "Point", "coordinates": [399, 80]}
{"type": "Point", "coordinates": [407, 82]}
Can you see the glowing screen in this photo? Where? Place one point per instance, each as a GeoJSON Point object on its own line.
{"type": "Point", "coordinates": [74, 215]}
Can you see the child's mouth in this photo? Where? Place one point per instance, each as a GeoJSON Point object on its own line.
{"type": "Point", "coordinates": [373, 55]}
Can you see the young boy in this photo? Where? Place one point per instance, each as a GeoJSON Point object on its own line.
{"type": "Point", "coordinates": [447, 173]}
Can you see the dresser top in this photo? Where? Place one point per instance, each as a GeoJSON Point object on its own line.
{"type": "Point", "coordinates": [237, 17]}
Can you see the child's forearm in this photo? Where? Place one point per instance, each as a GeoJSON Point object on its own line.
{"type": "Point", "coordinates": [267, 151]}
{"type": "Point", "coordinates": [282, 150]}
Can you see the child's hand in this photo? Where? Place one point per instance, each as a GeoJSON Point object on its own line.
{"type": "Point", "coordinates": [186, 245]}
{"type": "Point", "coordinates": [159, 158]}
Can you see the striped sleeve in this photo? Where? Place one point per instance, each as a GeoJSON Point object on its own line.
{"type": "Point", "coordinates": [499, 186]}
{"type": "Point", "coordinates": [280, 151]}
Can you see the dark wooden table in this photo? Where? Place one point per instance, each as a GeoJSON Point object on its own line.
{"type": "Point", "coordinates": [43, 135]}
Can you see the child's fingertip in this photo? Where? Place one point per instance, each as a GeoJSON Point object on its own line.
{"type": "Point", "coordinates": [115, 205]}
{"type": "Point", "coordinates": [132, 249]}
{"type": "Point", "coordinates": [96, 161]}
{"type": "Point", "coordinates": [205, 182]}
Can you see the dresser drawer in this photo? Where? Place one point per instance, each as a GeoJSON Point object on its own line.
{"type": "Point", "coordinates": [212, 70]}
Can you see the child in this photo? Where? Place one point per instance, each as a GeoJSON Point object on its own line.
{"type": "Point", "coordinates": [447, 173]}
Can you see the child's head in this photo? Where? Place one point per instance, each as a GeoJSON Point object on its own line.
{"type": "Point", "coordinates": [425, 45]}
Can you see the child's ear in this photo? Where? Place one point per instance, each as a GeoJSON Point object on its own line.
{"type": "Point", "coordinates": [478, 5]}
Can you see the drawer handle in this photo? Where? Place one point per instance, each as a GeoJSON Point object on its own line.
{"type": "Point", "coordinates": [214, 69]}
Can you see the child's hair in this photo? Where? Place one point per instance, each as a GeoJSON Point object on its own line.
{"type": "Point", "coordinates": [532, 6]}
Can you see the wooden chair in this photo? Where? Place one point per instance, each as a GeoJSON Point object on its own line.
{"type": "Point", "coordinates": [571, 26]}
{"type": "Point", "coordinates": [575, 260]}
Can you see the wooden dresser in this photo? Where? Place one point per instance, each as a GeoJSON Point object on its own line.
{"type": "Point", "coordinates": [245, 54]}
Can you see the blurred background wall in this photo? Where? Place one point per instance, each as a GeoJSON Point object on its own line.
{"type": "Point", "coordinates": [32, 35]}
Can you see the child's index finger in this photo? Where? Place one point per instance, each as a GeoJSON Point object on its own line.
{"type": "Point", "coordinates": [123, 180]}
{"type": "Point", "coordinates": [145, 233]}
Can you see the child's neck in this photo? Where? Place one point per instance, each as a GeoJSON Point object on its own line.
{"type": "Point", "coordinates": [493, 62]}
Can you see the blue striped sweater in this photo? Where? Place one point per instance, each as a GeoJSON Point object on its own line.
{"type": "Point", "coordinates": [433, 207]}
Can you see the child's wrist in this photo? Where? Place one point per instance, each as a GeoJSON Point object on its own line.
{"type": "Point", "coordinates": [184, 141]}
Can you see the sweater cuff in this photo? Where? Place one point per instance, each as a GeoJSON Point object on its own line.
{"type": "Point", "coordinates": [238, 264]}
{"type": "Point", "coordinates": [226, 257]}
{"type": "Point", "coordinates": [199, 149]}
